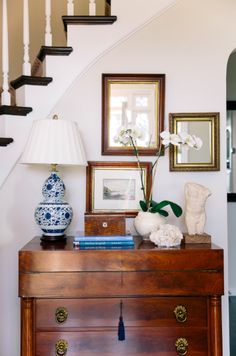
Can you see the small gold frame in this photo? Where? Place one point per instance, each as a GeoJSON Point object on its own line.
{"type": "Point", "coordinates": [212, 146]}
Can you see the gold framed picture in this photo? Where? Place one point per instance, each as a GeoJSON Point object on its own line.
{"type": "Point", "coordinates": [132, 100]}
{"type": "Point", "coordinates": [115, 187]}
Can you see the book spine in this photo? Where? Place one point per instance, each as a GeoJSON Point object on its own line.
{"type": "Point", "coordinates": [104, 238]}
{"type": "Point", "coordinates": [104, 243]}
{"type": "Point", "coordinates": [105, 247]}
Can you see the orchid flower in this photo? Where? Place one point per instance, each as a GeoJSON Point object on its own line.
{"type": "Point", "coordinates": [191, 140]}
{"type": "Point", "coordinates": [130, 135]}
{"type": "Point", "coordinates": [168, 138]}
{"type": "Point", "coordinates": [124, 135]}
{"type": "Point", "coordinates": [198, 142]}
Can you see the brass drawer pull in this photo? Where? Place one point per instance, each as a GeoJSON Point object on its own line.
{"type": "Point", "coordinates": [61, 315]}
{"type": "Point", "coordinates": [181, 345]}
{"type": "Point", "coordinates": [180, 313]}
{"type": "Point", "coordinates": [61, 347]}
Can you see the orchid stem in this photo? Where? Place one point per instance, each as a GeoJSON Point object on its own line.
{"type": "Point", "coordinates": [153, 171]}
{"type": "Point", "coordinates": [139, 166]}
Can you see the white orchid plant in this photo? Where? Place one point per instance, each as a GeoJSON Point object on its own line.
{"type": "Point", "coordinates": [129, 137]}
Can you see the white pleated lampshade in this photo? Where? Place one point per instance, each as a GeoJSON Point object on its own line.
{"type": "Point", "coordinates": [54, 141]}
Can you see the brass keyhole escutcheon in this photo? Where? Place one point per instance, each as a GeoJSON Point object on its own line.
{"type": "Point", "coordinates": [61, 315]}
{"type": "Point", "coordinates": [180, 313]}
{"type": "Point", "coordinates": [181, 345]}
{"type": "Point", "coordinates": [61, 347]}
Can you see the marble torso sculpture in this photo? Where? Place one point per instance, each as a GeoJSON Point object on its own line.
{"type": "Point", "coordinates": [195, 200]}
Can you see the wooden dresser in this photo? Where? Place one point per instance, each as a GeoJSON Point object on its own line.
{"type": "Point", "coordinates": [72, 300]}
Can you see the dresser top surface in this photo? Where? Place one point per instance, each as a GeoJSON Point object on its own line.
{"type": "Point", "coordinates": [41, 256]}
{"type": "Point", "coordinates": [37, 245]}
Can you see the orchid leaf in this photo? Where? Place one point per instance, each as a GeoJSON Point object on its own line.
{"type": "Point", "coordinates": [161, 212]}
{"type": "Point", "coordinates": [177, 210]}
{"type": "Point", "coordinates": [143, 205]}
{"type": "Point", "coordinates": [158, 207]}
{"type": "Point", "coordinates": [153, 203]}
{"type": "Point", "coordinates": [154, 207]}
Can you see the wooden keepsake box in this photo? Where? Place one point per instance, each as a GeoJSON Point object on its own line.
{"type": "Point", "coordinates": [104, 224]}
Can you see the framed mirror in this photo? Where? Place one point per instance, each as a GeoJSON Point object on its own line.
{"type": "Point", "coordinates": [128, 101]}
{"type": "Point", "coordinates": [205, 126]}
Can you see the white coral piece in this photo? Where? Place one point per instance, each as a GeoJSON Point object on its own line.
{"type": "Point", "coordinates": [168, 236]}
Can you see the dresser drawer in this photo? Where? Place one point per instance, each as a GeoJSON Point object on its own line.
{"type": "Point", "coordinates": [83, 313]}
{"type": "Point", "coordinates": [139, 341]}
{"type": "Point", "coordinates": [114, 284]}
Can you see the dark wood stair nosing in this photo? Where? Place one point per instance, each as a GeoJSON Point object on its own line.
{"type": "Point", "coordinates": [53, 51]}
{"type": "Point", "coordinates": [15, 110]}
{"type": "Point", "coordinates": [30, 80]}
{"type": "Point", "coordinates": [88, 20]}
{"type": "Point", "coordinates": [4, 141]}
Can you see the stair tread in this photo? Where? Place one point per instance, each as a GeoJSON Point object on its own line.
{"type": "Point", "coordinates": [14, 110]}
{"type": "Point", "coordinates": [30, 80]}
{"type": "Point", "coordinates": [4, 141]}
{"type": "Point", "coordinates": [88, 20]}
{"type": "Point", "coordinates": [53, 51]}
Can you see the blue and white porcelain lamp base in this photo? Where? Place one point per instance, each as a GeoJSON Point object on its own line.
{"type": "Point", "coordinates": [56, 142]}
{"type": "Point", "coordinates": [53, 214]}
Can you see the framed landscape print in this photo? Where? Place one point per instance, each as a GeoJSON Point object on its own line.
{"type": "Point", "coordinates": [115, 187]}
{"type": "Point", "coordinates": [132, 101]}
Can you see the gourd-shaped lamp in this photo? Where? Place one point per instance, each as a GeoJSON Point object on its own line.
{"type": "Point", "coordinates": [54, 142]}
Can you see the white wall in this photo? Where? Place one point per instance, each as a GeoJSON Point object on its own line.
{"type": "Point", "coordinates": [191, 44]}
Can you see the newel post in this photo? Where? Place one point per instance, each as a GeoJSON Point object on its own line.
{"type": "Point", "coordinates": [6, 99]}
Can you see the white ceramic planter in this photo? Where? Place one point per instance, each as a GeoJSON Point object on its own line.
{"type": "Point", "coordinates": [145, 223]}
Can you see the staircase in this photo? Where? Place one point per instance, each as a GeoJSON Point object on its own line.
{"type": "Point", "coordinates": [36, 92]}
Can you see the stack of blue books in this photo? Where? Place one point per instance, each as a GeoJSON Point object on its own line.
{"type": "Point", "coordinates": [104, 242]}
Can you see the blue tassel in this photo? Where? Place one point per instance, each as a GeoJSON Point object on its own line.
{"type": "Point", "coordinates": [121, 327]}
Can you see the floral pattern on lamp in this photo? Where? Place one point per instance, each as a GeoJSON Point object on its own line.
{"type": "Point", "coordinates": [54, 142]}
{"type": "Point", "coordinates": [53, 214]}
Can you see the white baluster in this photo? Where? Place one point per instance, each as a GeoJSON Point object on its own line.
{"type": "Point", "coordinates": [92, 8]}
{"type": "Point", "coordinates": [6, 99]}
{"type": "Point", "coordinates": [26, 62]}
{"type": "Point", "coordinates": [48, 32]}
{"type": "Point", "coordinates": [70, 7]}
